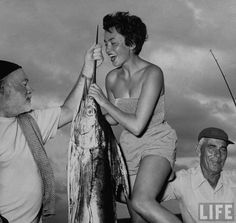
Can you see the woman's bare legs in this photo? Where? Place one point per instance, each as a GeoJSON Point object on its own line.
{"type": "Point", "coordinates": [152, 174]}
{"type": "Point", "coordinates": [135, 218]}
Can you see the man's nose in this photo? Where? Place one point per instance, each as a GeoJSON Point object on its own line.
{"type": "Point", "coordinates": [217, 153]}
{"type": "Point", "coordinates": [29, 89]}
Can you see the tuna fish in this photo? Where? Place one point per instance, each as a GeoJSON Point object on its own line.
{"type": "Point", "coordinates": [96, 168]}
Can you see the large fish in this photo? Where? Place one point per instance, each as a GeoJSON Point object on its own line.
{"type": "Point", "coordinates": [96, 168]}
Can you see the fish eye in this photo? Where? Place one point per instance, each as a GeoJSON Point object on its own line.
{"type": "Point", "coordinates": [90, 110]}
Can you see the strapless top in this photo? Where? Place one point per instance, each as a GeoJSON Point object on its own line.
{"type": "Point", "coordinates": [158, 137]}
{"type": "Point", "coordinates": [129, 105]}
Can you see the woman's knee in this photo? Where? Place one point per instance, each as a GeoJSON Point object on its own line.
{"type": "Point", "coordinates": [142, 204]}
{"type": "Point", "coordinates": [136, 205]}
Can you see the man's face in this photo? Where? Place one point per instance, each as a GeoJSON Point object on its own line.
{"type": "Point", "coordinates": [17, 93]}
{"type": "Point", "coordinates": [213, 155]}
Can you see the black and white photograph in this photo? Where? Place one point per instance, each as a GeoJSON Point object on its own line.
{"type": "Point", "coordinates": [117, 111]}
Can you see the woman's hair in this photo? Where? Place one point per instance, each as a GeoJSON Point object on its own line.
{"type": "Point", "coordinates": [129, 26]}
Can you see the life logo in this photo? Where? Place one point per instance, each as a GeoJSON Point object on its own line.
{"type": "Point", "coordinates": [216, 212]}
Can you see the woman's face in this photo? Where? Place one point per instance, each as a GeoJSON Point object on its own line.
{"type": "Point", "coordinates": [116, 49]}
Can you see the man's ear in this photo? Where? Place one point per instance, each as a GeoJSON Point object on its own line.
{"type": "Point", "coordinates": [199, 146]}
{"type": "Point", "coordinates": [1, 87]}
{"type": "Point", "coordinates": [4, 88]}
{"type": "Point", "coordinates": [198, 150]}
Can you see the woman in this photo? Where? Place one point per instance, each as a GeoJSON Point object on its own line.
{"type": "Point", "coordinates": [135, 90]}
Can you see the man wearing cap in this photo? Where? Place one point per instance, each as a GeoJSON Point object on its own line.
{"type": "Point", "coordinates": [27, 191]}
{"type": "Point", "coordinates": [198, 187]}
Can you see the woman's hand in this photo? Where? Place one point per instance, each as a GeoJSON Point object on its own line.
{"type": "Point", "coordinates": [96, 92]}
{"type": "Point", "coordinates": [92, 54]}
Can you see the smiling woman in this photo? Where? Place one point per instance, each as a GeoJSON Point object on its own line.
{"type": "Point", "coordinates": [135, 89]}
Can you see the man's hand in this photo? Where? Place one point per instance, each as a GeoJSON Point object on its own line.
{"type": "Point", "coordinates": [76, 94]}
{"type": "Point", "coordinates": [92, 54]}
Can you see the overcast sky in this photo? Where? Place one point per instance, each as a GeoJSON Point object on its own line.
{"type": "Point", "coordinates": [49, 38]}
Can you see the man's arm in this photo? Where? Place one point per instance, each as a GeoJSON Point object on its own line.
{"type": "Point", "coordinates": [173, 190]}
{"type": "Point", "coordinates": [75, 96]}
{"type": "Point", "coordinates": [169, 193]}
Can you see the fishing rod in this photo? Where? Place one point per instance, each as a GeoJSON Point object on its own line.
{"type": "Point", "coordinates": [94, 71]}
{"type": "Point", "coordinates": [95, 62]}
{"type": "Point", "coordinates": [223, 77]}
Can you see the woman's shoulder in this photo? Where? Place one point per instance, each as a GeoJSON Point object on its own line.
{"type": "Point", "coordinates": [153, 68]}
{"type": "Point", "coordinates": [112, 75]}
{"type": "Point", "coordinates": [114, 72]}
{"type": "Point", "coordinates": [152, 72]}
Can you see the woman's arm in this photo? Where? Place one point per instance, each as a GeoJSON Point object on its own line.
{"type": "Point", "coordinates": [110, 120]}
{"type": "Point", "coordinates": [150, 93]}
{"type": "Point", "coordinates": [110, 97]}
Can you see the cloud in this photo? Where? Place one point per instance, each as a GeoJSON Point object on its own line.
{"type": "Point", "coordinates": [195, 96]}
{"type": "Point", "coordinates": [49, 38]}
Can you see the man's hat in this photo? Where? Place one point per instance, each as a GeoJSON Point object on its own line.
{"type": "Point", "coordinates": [7, 67]}
{"type": "Point", "coordinates": [214, 133]}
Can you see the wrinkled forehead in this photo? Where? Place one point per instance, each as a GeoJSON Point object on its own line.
{"type": "Point", "coordinates": [16, 76]}
{"type": "Point", "coordinates": [215, 142]}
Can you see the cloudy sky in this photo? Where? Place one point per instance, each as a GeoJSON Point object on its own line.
{"type": "Point", "coordinates": [49, 38]}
